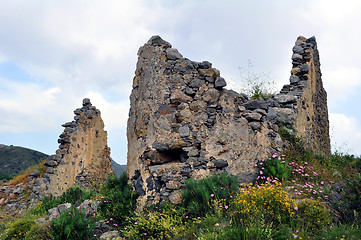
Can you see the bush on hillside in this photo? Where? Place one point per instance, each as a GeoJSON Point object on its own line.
{"type": "Point", "coordinates": [312, 216]}
{"type": "Point", "coordinates": [72, 224]}
{"type": "Point", "coordinates": [268, 203]}
{"type": "Point", "coordinates": [119, 199]}
{"type": "Point", "coordinates": [72, 195]}
{"type": "Point", "coordinates": [198, 194]}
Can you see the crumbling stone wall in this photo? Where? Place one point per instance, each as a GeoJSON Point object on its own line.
{"type": "Point", "coordinates": [183, 123]}
{"type": "Point", "coordinates": [305, 98]}
{"type": "Point", "coordinates": [83, 157]}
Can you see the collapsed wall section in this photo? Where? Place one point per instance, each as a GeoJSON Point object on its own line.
{"type": "Point", "coordinates": [183, 123]}
{"type": "Point", "coordinates": [83, 157]}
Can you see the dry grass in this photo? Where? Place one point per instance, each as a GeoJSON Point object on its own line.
{"type": "Point", "coordinates": [23, 177]}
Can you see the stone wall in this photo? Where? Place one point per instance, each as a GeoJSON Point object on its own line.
{"type": "Point", "coordinates": [183, 123]}
{"type": "Point", "coordinates": [83, 157]}
{"type": "Point", "coordinates": [310, 98]}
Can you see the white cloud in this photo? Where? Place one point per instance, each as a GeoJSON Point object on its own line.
{"type": "Point", "coordinates": [341, 82]}
{"type": "Point", "coordinates": [345, 134]}
{"type": "Point", "coordinates": [114, 114]}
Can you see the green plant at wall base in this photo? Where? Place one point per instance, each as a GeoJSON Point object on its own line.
{"type": "Point", "coordinates": [275, 167]}
{"type": "Point", "coordinates": [155, 224]}
{"type": "Point", "coordinates": [72, 195]}
{"type": "Point", "coordinates": [38, 232]}
{"type": "Point", "coordinates": [20, 228]}
{"type": "Point", "coordinates": [119, 199]}
{"type": "Point", "coordinates": [268, 203]}
{"type": "Point", "coordinates": [350, 206]}
{"type": "Point", "coordinates": [198, 194]}
{"type": "Point", "coordinates": [312, 215]}
{"type": "Point", "coordinates": [72, 224]}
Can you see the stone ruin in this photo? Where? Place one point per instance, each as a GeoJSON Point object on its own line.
{"type": "Point", "coordinates": [184, 124]}
{"type": "Point", "coordinates": [83, 157]}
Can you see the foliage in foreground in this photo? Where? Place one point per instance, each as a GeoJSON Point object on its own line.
{"type": "Point", "coordinates": [199, 193]}
{"type": "Point", "coordinates": [119, 199]}
{"type": "Point", "coordinates": [72, 195]}
{"type": "Point", "coordinates": [72, 224]}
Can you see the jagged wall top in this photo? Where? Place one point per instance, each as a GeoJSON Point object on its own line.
{"type": "Point", "coordinates": [183, 123]}
{"type": "Point", "coordinates": [83, 157]}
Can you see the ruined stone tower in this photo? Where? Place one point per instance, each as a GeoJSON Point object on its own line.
{"type": "Point", "coordinates": [183, 123]}
{"type": "Point", "coordinates": [83, 157]}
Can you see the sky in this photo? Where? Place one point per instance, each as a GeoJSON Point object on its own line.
{"type": "Point", "coordinates": [55, 53]}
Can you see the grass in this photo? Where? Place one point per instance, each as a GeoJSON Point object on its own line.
{"type": "Point", "coordinates": [23, 177]}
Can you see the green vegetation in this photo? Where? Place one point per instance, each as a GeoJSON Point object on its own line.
{"type": "Point", "coordinates": [72, 224]}
{"type": "Point", "coordinates": [119, 199]}
{"type": "Point", "coordinates": [256, 85]}
{"type": "Point", "coordinates": [74, 195]}
{"type": "Point", "coordinates": [198, 196]}
{"type": "Point", "coordinates": [296, 195]}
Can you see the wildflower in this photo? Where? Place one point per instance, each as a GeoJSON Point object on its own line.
{"type": "Point", "coordinates": [212, 195]}
{"type": "Point", "coordinates": [136, 223]}
{"type": "Point", "coordinates": [111, 219]}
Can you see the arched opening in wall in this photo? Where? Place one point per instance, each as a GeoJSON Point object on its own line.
{"type": "Point", "coordinates": [172, 155]}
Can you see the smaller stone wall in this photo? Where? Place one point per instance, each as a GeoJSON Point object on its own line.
{"type": "Point", "coordinates": [83, 157]}
{"type": "Point", "coordinates": [302, 104]}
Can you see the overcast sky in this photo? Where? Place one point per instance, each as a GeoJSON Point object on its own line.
{"type": "Point", "coordinates": [55, 53]}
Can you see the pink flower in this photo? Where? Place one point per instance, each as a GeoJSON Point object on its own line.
{"type": "Point", "coordinates": [212, 195]}
{"type": "Point", "coordinates": [260, 172]}
{"type": "Point", "coordinates": [322, 183]}
{"type": "Point", "coordinates": [295, 236]}
{"type": "Point", "coordinates": [145, 234]}
{"type": "Point", "coordinates": [136, 223]}
{"type": "Point", "coordinates": [186, 216]}
{"type": "Point", "coordinates": [111, 219]}
{"type": "Point", "coordinates": [255, 165]}
{"type": "Point", "coordinates": [226, 207]}
{"type": "Point", "coordinates": [296, 208]}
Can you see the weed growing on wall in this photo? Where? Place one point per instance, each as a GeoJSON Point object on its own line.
{"type": "Point", "coordinates": [256, 85]}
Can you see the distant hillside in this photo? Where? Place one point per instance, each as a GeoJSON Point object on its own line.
{"type": "Point", "coordinates": [14, 159]}
{"type": "Point", "coordinates": [118, 169]}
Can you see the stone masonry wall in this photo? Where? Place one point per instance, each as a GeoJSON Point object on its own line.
{"type": "Point", "coordinates": [83, 157]}
{"type": "Point", "coordinates": [183, 123]}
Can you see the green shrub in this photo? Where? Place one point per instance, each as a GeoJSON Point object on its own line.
{"type": "Point", "coordinates": [72, 195]}
{"type": "Point", "coordinates": [154, 224]}
{"type": "Point", "coordinates": [350, 206]}
{"type": "Point", "coordinates": [312, 216]}
{"type": "Point", "coordinates": [275, 167]}
{"type": "Point", "coordinates": [268, 203]}
{"type": "Point", "coordinates": [6, 176]}
{"type": "Point", "coordinates": [119, 200]}
{"type": "Point", "coordinates": [20, 228]}
{"type": "Point", "coordinates": [38, 232]}
{"type": "Point", "coordinates": [198, 193]}
{"type": "Point", "coordinates": [72, 224]}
